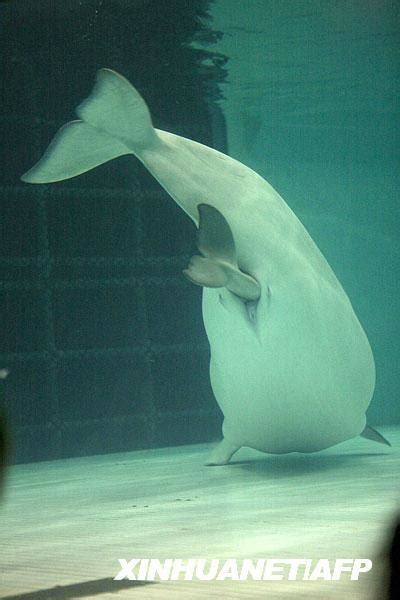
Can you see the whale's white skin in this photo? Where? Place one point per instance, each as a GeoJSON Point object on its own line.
{"type": "Point", "coordinates": [293, 372]}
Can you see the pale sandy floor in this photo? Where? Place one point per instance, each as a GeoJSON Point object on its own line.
{"type": "Point", "coordinates": [65, 523]}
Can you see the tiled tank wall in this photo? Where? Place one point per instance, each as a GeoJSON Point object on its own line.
{"type": "Point", "coordinates": [102, 334]}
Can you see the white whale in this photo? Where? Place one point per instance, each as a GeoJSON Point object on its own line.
{"type": "Point", "coordinates": [291, 366]}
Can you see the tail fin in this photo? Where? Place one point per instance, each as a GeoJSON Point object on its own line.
{"type": "Point", "coordinates": [114, 120]}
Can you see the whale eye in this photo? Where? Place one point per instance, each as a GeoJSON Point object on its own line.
{"type": "Point", "coordinates": [221, 299]}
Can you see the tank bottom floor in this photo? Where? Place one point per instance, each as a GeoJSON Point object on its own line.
{"type": "Point", "coordinates": [66, 523]}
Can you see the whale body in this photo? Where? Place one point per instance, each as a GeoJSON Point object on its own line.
{"type": "Point", "coordinates": [291, 366]}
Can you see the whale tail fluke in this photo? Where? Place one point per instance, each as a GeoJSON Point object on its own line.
{"type": "Point", "coordinates": [114, 120]}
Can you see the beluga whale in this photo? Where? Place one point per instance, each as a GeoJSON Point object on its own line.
{"type": "Point", "coordinates": [291, 366]}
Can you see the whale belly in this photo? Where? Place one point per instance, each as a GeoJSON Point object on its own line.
{"type": "Point", "coordinates": [292, 382]}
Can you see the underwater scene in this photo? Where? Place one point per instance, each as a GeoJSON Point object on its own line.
{"type": "Point", "coordinates": [200, 299]}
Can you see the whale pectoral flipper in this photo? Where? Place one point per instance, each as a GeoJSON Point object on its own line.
{"type": "Point", "coordinates": [205, 272]}
{"type": "Point", "coordinates": [222, 454]}
{"type": "Point", "coordinates": [218, 266]}
{"type": "Point", "coordinates": [215, 238]}
{"type": "Point", "coordinates": [371, 434]}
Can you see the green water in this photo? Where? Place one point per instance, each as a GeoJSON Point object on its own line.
{"type": "Point", "coordinates": [102, 335]}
